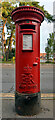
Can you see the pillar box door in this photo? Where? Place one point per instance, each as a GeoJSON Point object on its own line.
{"type": "Point", "coordinates": [27, 20]}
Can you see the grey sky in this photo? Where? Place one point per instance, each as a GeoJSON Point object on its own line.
{"type": "Point", "coordinates": [48, 5]}
{"type": "Point", "coordinates": [45, 28]}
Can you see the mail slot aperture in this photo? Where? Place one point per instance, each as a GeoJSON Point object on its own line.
{"type": "Point", "coordinates": [27, 27]}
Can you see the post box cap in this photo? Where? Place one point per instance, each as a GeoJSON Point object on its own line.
{"type": "Point", "coordinates": [27, 13]}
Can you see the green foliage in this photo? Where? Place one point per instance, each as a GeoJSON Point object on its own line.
{"type": "Point", "coordinates": [36, 4]}
{"type": "Point", "coordinates": [6, 9]}
{"type": "Point", "coordinates": [54, 47]}
{"type": "Point", "coordinates": [50, 46]}
{"type": "Point", "coordinates": [3, 58]}
{"type": "Point", "coordinates": [10, 55]}
{"type": "Point", "coordinates": [48, 62]}
{"type": "Point", "coordinates": [13, 52]}
{"type": "Point", "coordinates": [47, 50]}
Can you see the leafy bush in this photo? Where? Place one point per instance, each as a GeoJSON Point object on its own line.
{"type": "Point", "coordinates": [48, 62]}
{"type": "Point", "coordinates": [11, 54]}
{"type": "Point", "coordinates": [3, 58]}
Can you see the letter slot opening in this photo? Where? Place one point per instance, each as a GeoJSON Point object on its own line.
{"type": "Point", "coordinates": [27, 27]}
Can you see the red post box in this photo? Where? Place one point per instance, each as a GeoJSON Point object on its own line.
{"type": "Point", "coordinates": [27, 96]}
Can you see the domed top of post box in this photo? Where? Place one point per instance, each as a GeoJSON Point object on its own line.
{"type": "Point", "coordinates": [27, 13]}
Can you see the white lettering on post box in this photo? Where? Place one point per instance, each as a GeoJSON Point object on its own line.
{"type": "Point", "coordinates": [27, 42]}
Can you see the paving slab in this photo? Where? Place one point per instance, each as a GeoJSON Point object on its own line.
{"type": "Point", "coordinates": [8, 109]}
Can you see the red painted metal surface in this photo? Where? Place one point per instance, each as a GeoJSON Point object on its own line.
{"type": "Point", "coordinates": [27, 60]}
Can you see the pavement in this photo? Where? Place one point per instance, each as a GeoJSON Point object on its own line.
{"type": "Point", "coordinates": [7, 103]}
{"type": "Point", "coordinates": [7, 107]}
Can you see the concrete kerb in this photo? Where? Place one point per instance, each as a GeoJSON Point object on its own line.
{"type": "Point", "coordinates": [11, 65]}
{"type": "Point", "coordinates": [48, 96]}
{"type": "Point", "coordinates": [14, 63]}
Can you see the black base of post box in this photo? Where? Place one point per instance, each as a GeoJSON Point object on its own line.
{"type": "Point", "coordinates": [27, 104]}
